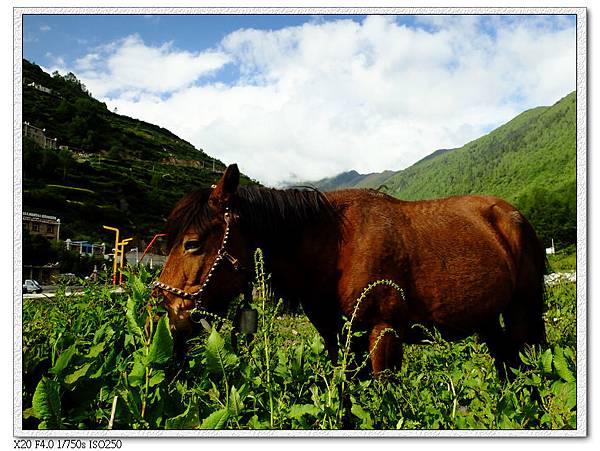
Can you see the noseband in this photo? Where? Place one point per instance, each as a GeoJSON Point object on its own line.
{"type": "Point", "coordinates": [221, 254]}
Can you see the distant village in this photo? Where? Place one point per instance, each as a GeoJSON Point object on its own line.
{"type": "Point", "coordinates": [48, 226]}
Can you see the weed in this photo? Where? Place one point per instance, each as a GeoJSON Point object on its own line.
{"type": "Point", "coordinates": [100, 361]}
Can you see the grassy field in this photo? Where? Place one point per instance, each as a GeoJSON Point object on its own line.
{"type": "Point", "coordinates": [565, 260]}
{"type": "Point", "coordinates": [84, 355]}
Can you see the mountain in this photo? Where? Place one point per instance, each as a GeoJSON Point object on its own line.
{"type": "Point", "coordinates": [529, 161]}
{"type": "Point", "coordinates": [91, 167]}
{"type": "Point", "coordinates": [350, 179]}
{"type": "Point", "coordinates": [535, 149]}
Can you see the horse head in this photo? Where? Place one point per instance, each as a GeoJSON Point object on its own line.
{"type": "Point", "coordinates": [208, 256]}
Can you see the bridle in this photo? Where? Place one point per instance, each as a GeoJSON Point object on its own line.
{"type": "Point", "coordinates": [221, 254]}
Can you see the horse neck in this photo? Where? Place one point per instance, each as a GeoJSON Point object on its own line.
{"type": "Point", "coordinates": [293, 251]}
{"type": "Point", "coordinates": [301, 266]}
{"type": "Point", "coordinates": [294, 242]}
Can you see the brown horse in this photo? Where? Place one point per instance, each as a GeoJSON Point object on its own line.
{"type": "Point", "coordinates": [461, 262]}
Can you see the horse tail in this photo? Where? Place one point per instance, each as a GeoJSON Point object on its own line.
{"type": "Point", "coordinates": [523, 316]}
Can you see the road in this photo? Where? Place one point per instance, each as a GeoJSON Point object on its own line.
{"type": "Point", "coordinates": [49, 291]}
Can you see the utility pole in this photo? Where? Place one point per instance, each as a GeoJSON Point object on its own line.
{"type": "Point", "coordinates": [122, 253]}
{"type": "Point", "coordinates": [116, 252]}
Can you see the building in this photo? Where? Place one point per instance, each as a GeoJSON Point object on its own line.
{"type": "Point", "coordinates": [41, 273]}
{"type": "Point", "coordinates": [39, 224]}
{"type": "Point", "coordinates": [39, 136]}
{"type": "Point", "coordinates": [39, 87]}
{"type": "Point", "coordinates": [85, 247]}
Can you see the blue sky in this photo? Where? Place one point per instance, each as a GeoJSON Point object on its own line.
{"type": "Point", "coordinates": [301, 97]}
{"type": "Point", "coordinates": [70, 36]}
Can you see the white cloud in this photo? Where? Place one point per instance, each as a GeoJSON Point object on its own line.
{"type": "Point", "coordinates": [87, 62]}
{"type": "Point", "coordinates": [57, 61]}
{"type": "Point", "coordinates": [314, 100]}
{"type": "Point", "coordinates": [129, 65]}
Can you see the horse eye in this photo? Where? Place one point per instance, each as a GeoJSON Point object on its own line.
{"type": "Point", "coordinates": [191, 245]}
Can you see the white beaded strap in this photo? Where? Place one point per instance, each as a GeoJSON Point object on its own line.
{"type": "Point", "coordinates": [222, 253]}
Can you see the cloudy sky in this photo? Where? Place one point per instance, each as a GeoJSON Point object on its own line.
{"type": "Point", "coordinates": [295, 98]}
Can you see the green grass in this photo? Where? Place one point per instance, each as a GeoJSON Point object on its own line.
{"type": "Point", "coordinates": [80, 353]}
{"type": "Point", "coordinates": [565, 260]}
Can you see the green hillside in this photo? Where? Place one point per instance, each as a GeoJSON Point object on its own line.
{"type": "Point", "coordinates": [530, 161]}
{"type": "Point", "coordinates": [114, 170]}
{"type": "Point", "coordinates": [537, 148]}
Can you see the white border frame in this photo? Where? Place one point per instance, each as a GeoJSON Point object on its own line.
{"type": "Point", "coordinates": [582, 314]}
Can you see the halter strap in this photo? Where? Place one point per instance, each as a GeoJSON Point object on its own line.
{"type": "Point", "coordinates": [221, 254]}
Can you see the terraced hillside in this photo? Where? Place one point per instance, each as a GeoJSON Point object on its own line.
{"type": "Point", "coordinates": [106, 168]}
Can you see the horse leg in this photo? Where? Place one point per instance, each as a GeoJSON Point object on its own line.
{"type": "Point", "coordinates": [330, 338]}
{"type": "Point", "coordinates": [524, 325]}
{"type": "Point", "coordinates": [495, 338]}
{"type": "Point", "coordinates": [385, 348]}
{"type": "Point", "coordinates": [328, 324]}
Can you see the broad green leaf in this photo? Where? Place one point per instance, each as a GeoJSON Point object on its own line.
{"type": "Point", "coordinates": [235, 402]}
{"type": "Point", "coordinates": [132, 401]}
{"type": "Point", "coordinates": [282, 368]}
{"type": "Point", "coordinates": [137, 375]}
{"type": "Point", "coordinates": [133, 325]}
{"type": "Point", "coordinates": [215, 420]}
{"type": "Point", "coordinates": [566, 392]}
{"type": "Point", "coordinates": [107, 366]}
{"type": "Point", "coordinates": [46, 404]}
{"type": "Point", "coordinates": [218, 359]}
{"type": "Point", "coordinates": [28, 413]}
{"type": "Point", "coordinates": [571, 392]}
{"type": "Point", "coordinates": [297, 360]}
{"type": "Point", "coordinates": [568, 351]}
{"type": "Point", "coordinates": [138, 288]}
{"type": "Point", "coordinates": [547, 361]}
{"type": "Point", "coordinates": [562, 368]}
{"type": "Point", "coordinates": [63, 360]}
{"type": "Point", "coordinates": [315, 396]}
{"type": "Point", "coordinates": [363, 415]}
{"type": "Point", "coordinates": [573, 422]}
{"type": "Point", "coordinates": [157, 377]}
{"type": "Point", "coordinates": [99, 333]}
{"type": "Point", "coordinates": [297, 410]}
{"type": "Point", "coordinates": [255, 423]}
{"type": "Point", "coordinates": [77, 374]}
{"type": "Point", "coordinates": [189, 419]}
{"type": "Point", "coordinates": [129, 340]}
{"type": "Point", "coordinates": [317, 346]}
{"type": "Point", "coordinates": [95, 350]}
{"type": "Point", "coordinates": [161, 347]}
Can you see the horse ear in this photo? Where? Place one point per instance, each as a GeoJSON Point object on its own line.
{"type": "Point", "coordinates": [228, 184]}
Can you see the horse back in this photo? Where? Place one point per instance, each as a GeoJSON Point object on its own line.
{"type": "Point", "coordinates": [459, 259]}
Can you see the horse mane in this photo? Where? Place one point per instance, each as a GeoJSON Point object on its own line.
{"type": "Point", "coordinates": [191, 210]}
{"type": "Point", "coordinates": [265, 212]}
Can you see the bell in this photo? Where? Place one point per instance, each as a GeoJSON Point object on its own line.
{"type": "Point", "coordinates": [248, 321]}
